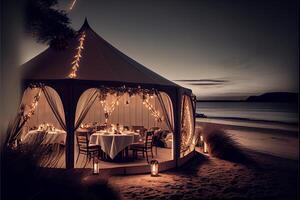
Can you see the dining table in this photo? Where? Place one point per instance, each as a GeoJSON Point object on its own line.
{"type": "Point", "coordinates": [56, 136]}
{"type": "Point", "coordinates": [113, 143]}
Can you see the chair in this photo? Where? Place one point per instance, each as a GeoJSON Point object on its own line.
{"type": "Point", "coordinates": [84, 147]}
{"type": "Point", "coordinates": [157, 139]}
{"type": "Point", "coordinates": [144, 147]}
{"type": "Point", "coordinates": [140, 129]}
{"type": "Point", "coordinates": [155, 128]}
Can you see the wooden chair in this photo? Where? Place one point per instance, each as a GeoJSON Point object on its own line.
{"type": "Point", "coordinates": [144, 147]}
{"type": "Point", "coordinates": [85, 148]}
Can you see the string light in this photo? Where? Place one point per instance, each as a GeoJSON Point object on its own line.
{"type": "Point", "coordinates": [75, 62]}
{"type": "Point", "coordinates": [33, 105]}
{"type": "Point", "coordinates": [145, 94]}
{"type": "Point", "coordinates": [151, 108]}
{"type": "Point", "coordinates": [109, 109]}
{"type": "Point", "coordinates": [186, 132]}
{"type": "Point", "coordinates": [189, 122]}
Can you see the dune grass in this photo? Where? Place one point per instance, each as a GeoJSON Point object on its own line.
{"type": "Point", "coordinates": [222, 146]}
{"type": "Point", "coordinates": [23, 178]}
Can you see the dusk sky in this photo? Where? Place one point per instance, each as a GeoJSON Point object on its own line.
{"type": "Point", "coordinates": [219, 49]}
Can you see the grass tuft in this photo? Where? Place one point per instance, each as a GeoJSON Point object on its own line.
{"type": "Point", "coordinates": [22, 176]}
{"type": "Point", "coordinates": [222, 146]}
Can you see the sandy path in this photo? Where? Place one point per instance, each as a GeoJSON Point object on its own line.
{"type": "Point", "coordinates": [205, 177]}
{"type": "Point", "coordinates": [211, 178]}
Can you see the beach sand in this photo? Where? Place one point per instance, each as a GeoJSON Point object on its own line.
{"type": "Point", "coordinates": [273, 175]}
{"type": "Point", "coordinates": [278, 140]}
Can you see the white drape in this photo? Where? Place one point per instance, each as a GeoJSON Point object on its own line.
{"type": "Point", "coordinates": [16, 127]}
{"type": "Point", "coordinates": [187, 126]}
{"type": "Point", "coordinates": [167, 108]}
{"type": "Point", "coordinates": [56, 105]}
{"type": "Point", "coordinates": [49, 111]}
{"type": "Point", "coordinates": [84, 105]}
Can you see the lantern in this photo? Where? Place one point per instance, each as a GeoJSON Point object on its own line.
{"type": "Point", "coordinates": [201, 140]}
{"type": "Point", "coordinates": [96, 168]}
{"type": "Point", "coordinates": [205, 148]}
{"type": "Point", "coordinates": [154, 167]}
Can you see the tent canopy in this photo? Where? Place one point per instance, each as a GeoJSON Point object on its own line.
{"type": "Point", "coordinates": [99, 61]}
{"type": "Point", "coordinates": [98, 64]}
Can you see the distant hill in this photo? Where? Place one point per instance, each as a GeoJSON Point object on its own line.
{"type": "Point", "coordinates": [274, 97]}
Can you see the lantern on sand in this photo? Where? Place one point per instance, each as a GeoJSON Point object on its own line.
{"type": "Point", "coordinates": [154, 167]}
{"type": "Point", "coordinates": [205, 147]}
{"type": "Point", "coordinates": [201, 140]}
{"type": "Point", "coordinates": [96, 168]}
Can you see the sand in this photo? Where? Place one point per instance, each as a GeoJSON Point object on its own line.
{"type": "Point", "coordinates": [271, 176]}
{"type": "Point", "coordinates": [211, 178]}
{"type": "Point", "coordinates": [282, 142]}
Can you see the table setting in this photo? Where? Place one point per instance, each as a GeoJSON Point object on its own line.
{"type": "Point", "coordinates": [112, 141]}
{"type": "Point", "coordinates": [47, 133]}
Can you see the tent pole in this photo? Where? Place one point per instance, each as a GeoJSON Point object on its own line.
{"type": "Point", "coordinates": [176, 101]}
{"type": "Point", "coordinates": [69, 100]}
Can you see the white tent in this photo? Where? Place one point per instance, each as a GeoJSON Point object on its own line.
{"type": "Point", "coordinates": [89, 67]}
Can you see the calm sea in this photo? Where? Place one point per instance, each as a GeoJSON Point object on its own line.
{"type": "Point", "coordinates": [256, 111]}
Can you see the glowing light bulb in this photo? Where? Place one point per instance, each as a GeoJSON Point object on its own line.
{"type": "Point", "coordinates": [75, 62]}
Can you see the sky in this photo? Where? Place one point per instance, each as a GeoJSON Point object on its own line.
{"type": "Point", "coordinates": [225, 50]}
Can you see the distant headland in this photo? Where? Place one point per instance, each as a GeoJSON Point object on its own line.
{"type": "Point", "coordinates": [274, 97]}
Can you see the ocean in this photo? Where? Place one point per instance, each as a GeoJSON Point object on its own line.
{"type": "Point", "coordinates": [250, 111]}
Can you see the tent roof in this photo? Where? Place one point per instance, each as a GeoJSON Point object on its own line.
{"type": "Point", "coordinates": [100, 61]}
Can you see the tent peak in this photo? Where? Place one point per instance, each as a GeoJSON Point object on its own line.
{"type": "Point", "coordinates": [85, 25]}
{"type": "Point", "coordinates": [99, 61]}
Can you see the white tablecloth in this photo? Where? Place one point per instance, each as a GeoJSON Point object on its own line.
{"type": "Point", "coordinates": [111, 143]}
{"type": "Point", "coordinates": [50, 137]}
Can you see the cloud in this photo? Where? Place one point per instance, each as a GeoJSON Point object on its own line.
{"type": "Point", "coordinates": [205, 84]}
{"type": "Point", "coordinates": [203, 80]}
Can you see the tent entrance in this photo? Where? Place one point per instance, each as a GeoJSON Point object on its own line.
{"type": "Point", "coordinates": [116, 119]}
{"type": "Point", "coordinates": [40, 126]}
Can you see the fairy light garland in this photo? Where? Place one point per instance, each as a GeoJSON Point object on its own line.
{"type": "Point", "coordinates": [189, 123]}
{"type": "Point", "coordinates": [108, 109]}
{"type": "Point", "coordinates": [33, 106]}
{"type": "Point", "coordinates": [187, 134]}
{"type": "Point", "coordinates": [151, 108]}
{"type": "Point", "coordinates": [77, 57]}
{"type": "Point", "coordinates": [145, 94]}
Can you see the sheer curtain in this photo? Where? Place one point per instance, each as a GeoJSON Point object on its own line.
{"type": "Point", "coordinates": [167, 109]}
{"type": "Point", "coordinates": [15, 128]}
{"type": "Point", "coordinates": [187, 126]}
{"type": "Point", "coordinates": [48, 97]}
{"type": "Point", "coordinates": [56, 105]}
{"type": "Point", "coordinates": [84, 105]}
